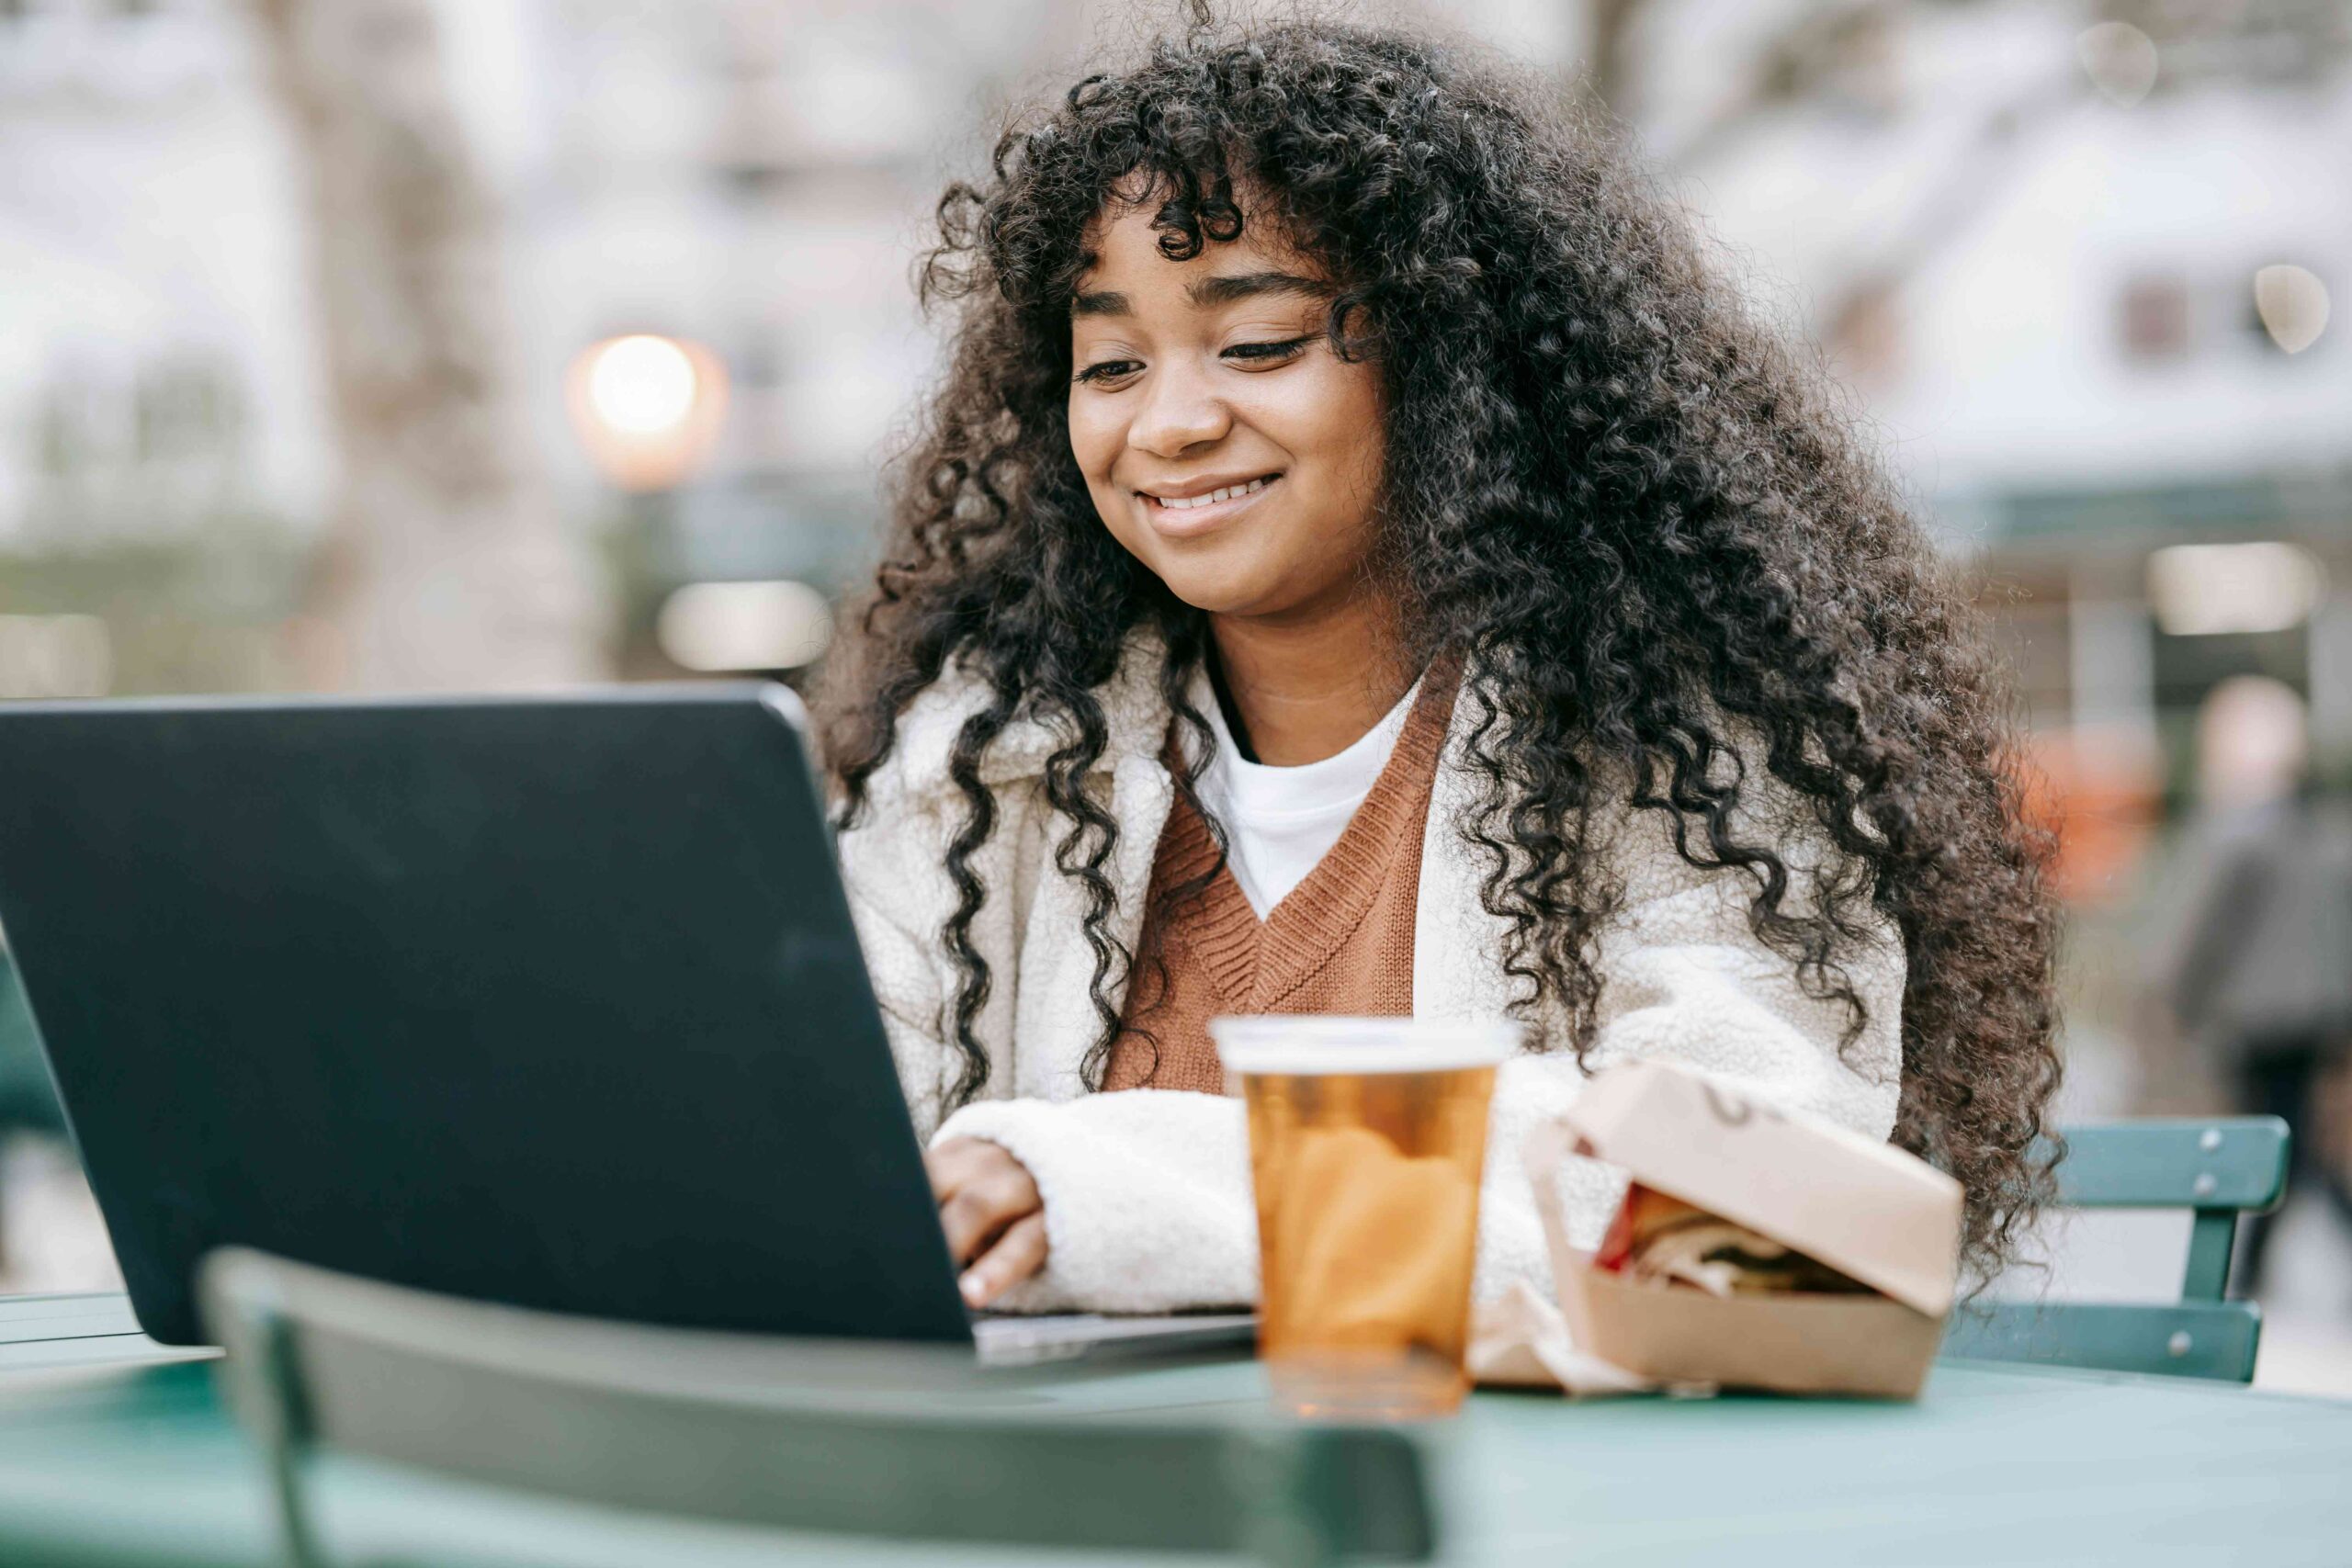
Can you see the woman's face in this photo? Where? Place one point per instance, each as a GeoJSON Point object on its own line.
{"type": "Point", "coordinates": [1213, 373]}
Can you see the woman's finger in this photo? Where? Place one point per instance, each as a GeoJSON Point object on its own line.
{"type": "Point", "coordinates": [982, 1191]}
{"type": "Point", "coordinates": [978, 1213]}
{"type": "Point", "coordinates": [1018, 1254]}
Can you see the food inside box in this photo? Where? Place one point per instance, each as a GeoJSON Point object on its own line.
{"type": "Point", "coordinates": [1657, 1239]}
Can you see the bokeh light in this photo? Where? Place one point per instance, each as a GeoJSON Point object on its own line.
{"type": "Point", "coordinates": [714, 627]}
{"type": "Point", "coordinates": [647, 407]}
{"type": "Point", "coordinates": [2292, 303]}
{"type": "Point", "coordinates": [2121, 59]}
{"type": "Point", "coordinates": [642, 384]}
{"type": "Point", "coordinates": [2209, 590]}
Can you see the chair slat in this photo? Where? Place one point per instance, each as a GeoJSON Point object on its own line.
{"type": "Point", "coordinates": [2212, 1162]}
{"type": "Point", "coordinates": [2200, 1339]}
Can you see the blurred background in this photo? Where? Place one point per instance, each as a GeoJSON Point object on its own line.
{"type": "Point", "coordinates": [382, 344]}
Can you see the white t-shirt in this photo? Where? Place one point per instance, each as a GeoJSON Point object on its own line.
{"type": "Point", "coordinates": [1280, 821]}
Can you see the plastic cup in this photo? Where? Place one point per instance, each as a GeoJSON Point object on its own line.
{"type": "Point", "coordinates": [1367, 1138]}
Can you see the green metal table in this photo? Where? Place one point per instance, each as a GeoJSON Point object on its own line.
{"type": "Point", "coordinates": [137, 1464]}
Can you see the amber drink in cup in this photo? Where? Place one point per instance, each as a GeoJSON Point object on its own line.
{"type": "Point", "coordinates": [1367, 1136]}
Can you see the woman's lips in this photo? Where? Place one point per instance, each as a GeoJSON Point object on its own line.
{"type": "Point", "coordinates": [1177, 523]}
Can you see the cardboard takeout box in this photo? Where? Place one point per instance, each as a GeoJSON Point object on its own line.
{"type": "Point", "coordinates": [1875, 1213]}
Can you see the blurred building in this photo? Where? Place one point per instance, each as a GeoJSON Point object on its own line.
{"type": "Point", "coordinates": [2079, 274]}
{"type": "Point", "coordinates": [751, 178]}
{"type": "Point", "coordinates": [2077, 271]}
{"type": "Point", "coordinates": [2076, 265]}
{"type": "Point", "coordinates": [748, 178]}
{"type": "Point", "coordinates": [158, 434]}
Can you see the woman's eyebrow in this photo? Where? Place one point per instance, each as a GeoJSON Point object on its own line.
{"type": "Point", "coordinates": [1224, 288]}
{"type": "Point", "coordinates": [1221, 289]}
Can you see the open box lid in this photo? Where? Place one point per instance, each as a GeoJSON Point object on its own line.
{"type": "Point", "coordinates": [1867, 1209]}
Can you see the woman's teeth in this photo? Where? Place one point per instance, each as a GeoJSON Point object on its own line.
{"type": "Point", "coordinates": [1216, 495]}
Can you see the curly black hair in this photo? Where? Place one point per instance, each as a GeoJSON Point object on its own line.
{"type": "Point", "coordinates": [1643, 521]}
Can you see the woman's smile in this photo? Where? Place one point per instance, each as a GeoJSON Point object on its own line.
{"type": "Point", "coordinates": [1186, 510]}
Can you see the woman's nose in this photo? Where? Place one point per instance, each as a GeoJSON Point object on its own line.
{"type": "Point", "coordinates": [1179, 411]}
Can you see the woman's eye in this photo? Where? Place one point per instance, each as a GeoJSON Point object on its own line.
{"type": "Point", "coordinates": [1261, 353]}
{"type": "Point", "coordinates": [1245, 353]}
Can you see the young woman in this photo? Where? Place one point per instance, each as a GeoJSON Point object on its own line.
{"type": "Point", "coordinates": [1358, 563]}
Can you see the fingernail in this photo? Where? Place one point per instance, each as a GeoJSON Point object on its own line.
{"type": "Point", "coordinates": [974, 1291]}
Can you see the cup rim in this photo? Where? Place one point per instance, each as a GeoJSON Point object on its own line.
{"type": "Point", "coordinates": [1325, 1042]}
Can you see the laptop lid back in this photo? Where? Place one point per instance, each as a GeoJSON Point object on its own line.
{"type": "Point", "coordinates": [551, 1001]}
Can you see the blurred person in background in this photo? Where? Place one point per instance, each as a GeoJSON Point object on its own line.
{"type": "Point", "coordinates": [1360, 560]}
{"type": "Point", "coordinates": [2259, 976]}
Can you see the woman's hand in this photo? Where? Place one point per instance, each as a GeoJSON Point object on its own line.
{"type": "Point", "coordinates": [993, 1215]}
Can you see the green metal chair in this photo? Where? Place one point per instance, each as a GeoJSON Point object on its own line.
{"type": "Point", "coordinates": [822, 1439]}
{"type": "Point", "coordinates": [2218, 1167]}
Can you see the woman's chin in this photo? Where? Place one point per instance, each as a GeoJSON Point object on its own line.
{"type": "Point", "coordinates": [1216, 593]}
{"type": "Point", "coordinates": [1233, 574]}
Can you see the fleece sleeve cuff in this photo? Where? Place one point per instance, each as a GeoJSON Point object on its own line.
{"type": "Point", "coordinates": [1147, 1199]}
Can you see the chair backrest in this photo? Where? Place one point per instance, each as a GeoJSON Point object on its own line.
{"type": "Point", "coordinates": [2217, 1168]}
{"type": "Point", "coordinates": [844, 1437]}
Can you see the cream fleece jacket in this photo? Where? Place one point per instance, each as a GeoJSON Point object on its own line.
{"type": "Point", "coordinates": [1147, 1192]}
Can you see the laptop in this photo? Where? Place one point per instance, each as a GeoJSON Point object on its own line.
{"type": "Point", "coordinates": [553, 1000]}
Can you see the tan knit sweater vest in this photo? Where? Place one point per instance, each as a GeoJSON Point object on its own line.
{"type": "Point", "coordinates": [1342, 942]}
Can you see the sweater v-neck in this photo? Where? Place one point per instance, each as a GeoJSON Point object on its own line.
{"type": "Point", "coordinates": [1258, 964]}
{"type": "Point", "coordinates": [1280, 821]}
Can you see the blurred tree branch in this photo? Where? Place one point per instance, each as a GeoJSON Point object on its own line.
{"type": "Point", "coordinates": [1790, 66]}
{"type": "Point", "coordinates": [445, 565]}
{"type": "Point", "coordinates": [1608, 62]}
{"type": "Point", "coordinates": [1801, 59]}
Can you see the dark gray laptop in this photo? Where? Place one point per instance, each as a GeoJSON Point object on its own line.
{"type": "Point", "coordinates": [553, 1002]}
